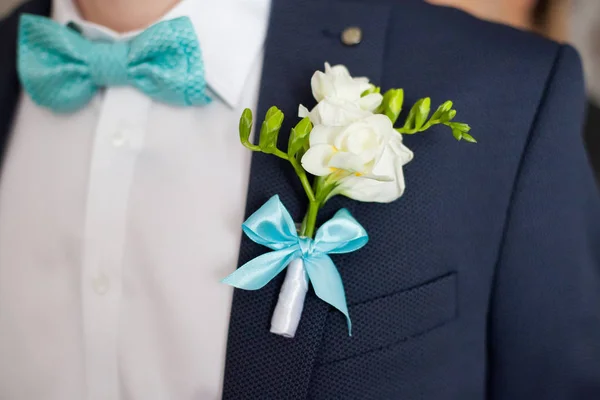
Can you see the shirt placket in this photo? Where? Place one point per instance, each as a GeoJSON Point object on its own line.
{"type": "Point", "coordinates": [118, 141]}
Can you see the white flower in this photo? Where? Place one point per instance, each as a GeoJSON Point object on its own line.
{"type": "Point", "coordinates": [337, 88]}
{"type": "Point", "coordinates": [337, 82]}
{"type": "Point", "coordinates": [369, 150]}
{"type": "Point", "coordinates": [362, 188]}
{"type": "Point", "coordinates": [334, 112]}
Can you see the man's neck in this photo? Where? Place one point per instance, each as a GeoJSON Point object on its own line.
{"type": "Point", "coordinates": [556, 26]}
{"type": "Point", "coordinates": [124, 15]}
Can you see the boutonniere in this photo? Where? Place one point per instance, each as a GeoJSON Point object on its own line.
{"type": "Point", "coordinates": [346, 145]}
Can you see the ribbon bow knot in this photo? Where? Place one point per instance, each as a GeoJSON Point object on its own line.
{"type": "Point", "coordinates": [108, 64]}
{"type": "Point", "coordinates": [62, 70]}
{"type": "Point", "coordinates": [272, 226]}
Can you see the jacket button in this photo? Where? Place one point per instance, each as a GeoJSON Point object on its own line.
{"type": "Point", "coordinates": [352, 36]}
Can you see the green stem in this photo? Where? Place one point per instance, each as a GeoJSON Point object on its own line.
{"type": "Point", "coordinates": [299, 171]}
{"type": "Point", "coordinates": [321, 188]}
{"type": "Point", "coordinates": [406, 131]}
{"type": "Point", "coordinates": [280, 154]}
{"type": "Point", "coordinates": [303, 178]}
{"type": "Point", "coordinates": [310, 220]}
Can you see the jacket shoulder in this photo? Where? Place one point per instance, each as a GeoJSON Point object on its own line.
{"type": "Point", "coordinates": [458, 36]}
{"type": "Point", "coordinates": [497, 75]}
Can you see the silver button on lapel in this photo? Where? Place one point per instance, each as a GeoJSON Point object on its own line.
{"type": "Point", "coordinates": [352, 36]}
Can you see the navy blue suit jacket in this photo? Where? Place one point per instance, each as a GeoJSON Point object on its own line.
{"type": "Point", "coordinates": [483, 281]}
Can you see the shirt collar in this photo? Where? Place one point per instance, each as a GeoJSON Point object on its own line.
{"type": "Point", "coordinates": [231, 35]}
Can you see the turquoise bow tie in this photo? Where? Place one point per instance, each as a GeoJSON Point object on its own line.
{"type": "Point", "coordinates": [272, 226]}
{"type": "Point", "coordinates": [62, 70]}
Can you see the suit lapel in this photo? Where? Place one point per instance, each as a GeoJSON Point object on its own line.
{"type": "Point", "coordinates": [9, 83]}
{"type": "Point", "coordinates": [303, 34]}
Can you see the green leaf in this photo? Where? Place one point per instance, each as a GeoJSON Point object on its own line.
{"type": "Point", "coordinates": [392, 103]}
{"type": "Point", "coordinates": [245, 125]}
{"type": "Point", "coordinates": [269, 130]}
{"type": "Point", "coordinates": [468, 138]}
{"type": "Point", "coordinates": [422, 112]}
{"type": "Point", "coordinates": [299, 136]}
{"type": "Point", "coordinates": [441, 111]}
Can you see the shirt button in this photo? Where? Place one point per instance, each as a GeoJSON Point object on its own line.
{"type": "Point", "coordinates": [119, 138]}
{"type": "Point", "coordinates": [101, 284]}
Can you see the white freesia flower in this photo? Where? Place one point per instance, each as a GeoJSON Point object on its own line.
{"type": "Point", "coordinates": [337, 82]}
{"type": "Point", "coordinates": [369, 150]}
{"type": "Point", "coordinates": [391, 163]}
{"type": "Point", "coordinates": [334, 112]}
{"type": "Point", "coordinates": [336, 88]}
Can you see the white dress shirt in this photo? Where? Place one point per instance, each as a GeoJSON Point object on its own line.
{"type": "Point", "coordinates": [117, 223]}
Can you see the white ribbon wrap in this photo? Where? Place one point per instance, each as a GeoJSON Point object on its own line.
{"type": "Point", "coordinates": [288, 310]}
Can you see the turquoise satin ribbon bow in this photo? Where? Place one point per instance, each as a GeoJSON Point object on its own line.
{"type": "Point", "coordinates": [62, 70]}
{"type": "Point", "coordinates": [273, 227]}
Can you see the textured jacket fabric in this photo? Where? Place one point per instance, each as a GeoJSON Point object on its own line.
{"type": "Point", "coordinates": [483, 280]}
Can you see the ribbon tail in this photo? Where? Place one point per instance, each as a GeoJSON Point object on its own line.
{"type": "Point", "coordinates": [259, 271]}
{"type": "Point", "coordinates": [327, 283]}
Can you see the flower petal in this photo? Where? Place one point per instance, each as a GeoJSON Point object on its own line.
{"type": "Point", "coordinates": [303, 111]}
{"type": "Point", "coordinates": [335, 112]}
{"type": "Point", "coordinates": [322, 134]}
{"type": "Point", "coordinates": [368, 190]}
{"type": "Point", "coordinates": [372, 189]}
{"type": "Point", "coordinates": [403, 153]}
{"type": "Point", "coordinates": [370, 102]}
{"type": "Point", "coordinates": [382, 124]}
{"type": "Point", "coordinates": [338, 70]}
{"type": "Point", "coordinates": [366, 142]}
{"type": "Point", "coordinates": [321, 85]}
{"type": "Point", "coordinates": [363, 83]}
{"type": "Point", "coordinates": [327, 68]}
{"type": "Point", "coordinates": [316, 159]}
{"type": "Point", "coordinates": [380, 178]}
{"type": "Point", "coordinates": [347, 161]}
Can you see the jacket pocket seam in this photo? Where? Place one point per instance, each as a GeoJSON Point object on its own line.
{"type": "Point", "coordinates": [403, 290]}
{"type": "Point", "coordinates": [395, 343]}
{"type": "Point", "coordinates": [450, 279]}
